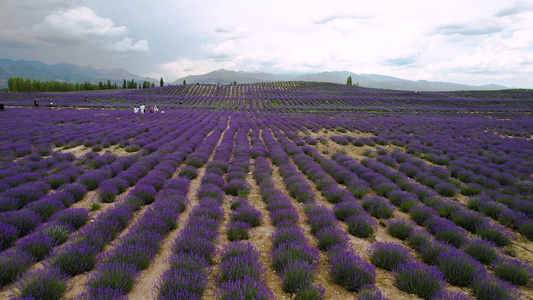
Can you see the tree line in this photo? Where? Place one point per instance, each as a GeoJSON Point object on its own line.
{"type": "Point", "coordinates": [21, 85]}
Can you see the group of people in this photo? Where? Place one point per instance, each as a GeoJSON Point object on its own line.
{"type": "Point", "coordinates": [142, 109]}
{"type": "Point", "coordinates": [36, 102]}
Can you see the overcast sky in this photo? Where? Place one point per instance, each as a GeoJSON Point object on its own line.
{"type": "Point", "coordinates": [463, 41]}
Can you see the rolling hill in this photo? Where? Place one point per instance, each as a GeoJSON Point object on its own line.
{"type": "Point", "coordinates": [365, 80]}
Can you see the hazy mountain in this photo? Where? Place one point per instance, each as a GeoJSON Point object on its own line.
{"type": "Point", "coordinates": [393, 83]}
{"type": "Point", "coordinates": [223, 76]}
{"type": "Point", "coordinates": [73, 73]}
{"type": "Point", "coordinates": [366, 80]}
{"type": "Point", "coordinates": [62, 72]}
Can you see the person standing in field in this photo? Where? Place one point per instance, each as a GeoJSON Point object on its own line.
{"type": "Point", "coordinates": [135, 109]}
{"type": "Point", "coordinates": [142, 108]}
{"type": "Point", "coordinates": [51, 102]}
{"type": "Point", "coordinates": [35, 103]}
{"type": "Point", "coordinates": [1, 106]}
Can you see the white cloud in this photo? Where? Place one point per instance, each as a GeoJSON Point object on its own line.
{"type": "Point", "coordinates": [79, 23]}
{"type": "Point", "coordinates": [233, 33]}
{"type": "Point", "coordinates": [420, 39]}
{"type": "Point", "coordinates": [74, 26]}
{"type": "Point", "coordinates": [126, 45]}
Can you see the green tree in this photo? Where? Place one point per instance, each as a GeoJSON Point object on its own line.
{"type": "Point", "coordinates": [161, 82]}
{"type": "Point", "coordinates": [11, 84]}
{"type": "Point", "coordinates": [124, 86]}
{"type": "Point", "coordinates": [349, 80]}
{"type": "Point", "coordinates": [184, 82]}
{"type": "Point", "coordinates": [153, 84]}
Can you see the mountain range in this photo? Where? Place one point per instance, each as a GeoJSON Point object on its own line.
{"type": "Point", "coordinates": [74, 73]}
{"type": "Point", "coordinates": [63, 72]}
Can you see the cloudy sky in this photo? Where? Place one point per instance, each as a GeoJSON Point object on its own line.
{"type": "Point", "coordinates": [463, 41]}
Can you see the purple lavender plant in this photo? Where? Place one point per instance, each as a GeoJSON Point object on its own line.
{"type": "Point", "coordinates": [13, 264]}
{"type": "Point", "coordinates": [181, 284]}
{"type": "Point", "coordinates": [75, 217]}
{"type": "Point", "coordinates": [346, 209]}
{"type": "Point", "coordinates": [389, 256]}
{"type": "Point", "coordinates": [247, 214]}
{"type": "Point", "coordinates": [350, 271]}
{"type": "Point", "coordinates": [46, 207]}
{"type": "Point", "coordinates": [458, 268]}
{"type": "Point", "coordinates": [488, 287]}
{"type": "Point", "coordinates": [37, 245]}
{"type": "Point", "coordinates": [117, 276]}
{"type": "Point", "coordinates": [481, 250]}
{"type": "Point", "coordinates": [24, 220]}
{"type": "Point", "coordinates": [246, 288]}
{"type": "Point", "coordinates": [419, 279]}
{"type": "Point", "coordinates": [400, 228]}
{"type": "Point", "coordinates": [8, 234]}
{"type": "Point", "coordinates": [46, 284]}
{"type": "Point", "coordinates": [378, 207]}
{"type": "Point", "coordinates": [362, 226]}
{"type": "Point", "coordinates": [77, 190]}
{"type": "Point", "coordinates": [513, 271]}
{"type": "Point", "coordinates": [331, 237]}
{"type": "Point", "coordinates": [494, 233]}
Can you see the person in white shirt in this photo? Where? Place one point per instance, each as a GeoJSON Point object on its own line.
{"type": "Point", "coordinates": [135, 109]}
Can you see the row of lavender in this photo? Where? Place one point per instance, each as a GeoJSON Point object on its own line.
{"type": "Point", "coordinates": [27, 190]}
{"type": "Point", "coordinates": [80, 255]}
{"type": "Point", "coordinates": [241, 274]}
{"type": "Point", "coordinates": [260, 151]}
{"type": "Point", "coordinates": [31, 138]}
{"type": "Point", "coordinates": [412, 277]}
{"type": "Point", "coordinates": [194, 248]}
{"type": "Point", "coordinates": [399, 228]}
{"type": "Point", "coordinates": [498, 194]}
{"type": "Point", "coordinates": [120, 267]}
{"type": "Point", "coordinates": [458, 268]}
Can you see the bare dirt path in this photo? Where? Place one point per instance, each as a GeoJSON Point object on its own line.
{"type": "Point", "coordinates": [261, 238]}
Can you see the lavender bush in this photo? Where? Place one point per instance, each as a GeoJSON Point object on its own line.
{"type": "Point", "coordinates": [388, 256]}
{"type": "Point", "coordinates": [350, 271]}
{"type": "Point", "coordinates": [419, 279]}
{"type": "Point", "coordinates": [362, 226]}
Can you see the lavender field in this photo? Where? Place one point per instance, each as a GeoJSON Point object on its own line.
{"type": "Point", "coordinates": [288, 190]}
